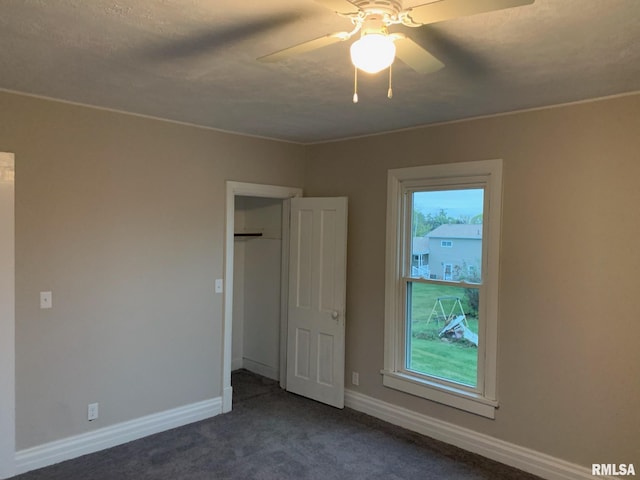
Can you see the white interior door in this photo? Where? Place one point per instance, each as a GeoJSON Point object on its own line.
{"type": "Point", "coordinates": [316, 310]}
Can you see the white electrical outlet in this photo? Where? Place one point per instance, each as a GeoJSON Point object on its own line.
{"type": "Point", "coordinates": [219, 285]}
{"type": "Point", "coordinates": [355, 378]}
{"type": "Point", "coordinates": [92, 411]}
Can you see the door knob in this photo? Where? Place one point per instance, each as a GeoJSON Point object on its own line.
{"type": "Point", "coordinates": [335, 315]}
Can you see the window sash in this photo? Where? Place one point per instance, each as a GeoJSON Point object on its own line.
{"type": "Point", "coordinates": [404, 350]}
{"type": "Point", "coordinates": [407, 192]}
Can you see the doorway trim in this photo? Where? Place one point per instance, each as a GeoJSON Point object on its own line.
{"type": "Point", "coordinates": [246, 190]}
{"type": "Point", "coordinates": [7, 316]}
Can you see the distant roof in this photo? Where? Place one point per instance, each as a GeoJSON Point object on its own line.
{"type": "Point", "coordinates": [420, 245]}
{"type": "Point", "coordinates": [456, 231]}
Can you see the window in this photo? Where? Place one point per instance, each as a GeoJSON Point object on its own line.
{"type": "Point", "coordinates": [441, 328]}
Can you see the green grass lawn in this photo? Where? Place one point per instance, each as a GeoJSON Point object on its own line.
{"type": "Point", "coordinates": [444, 357]}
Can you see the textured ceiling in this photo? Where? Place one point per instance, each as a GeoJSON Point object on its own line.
{"type": "Point", "coordinates": [194, 61]}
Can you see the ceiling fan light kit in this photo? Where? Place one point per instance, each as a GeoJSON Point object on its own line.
{"type": "Point", "coordinates": [376, 49]}
{"type": "Point", "coordinates": [373, 53]}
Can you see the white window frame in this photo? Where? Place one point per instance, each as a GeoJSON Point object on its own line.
{"type": "Point", "coordinates": [482, 399]}
{"type": "Point", "coordinates": [446, 243]}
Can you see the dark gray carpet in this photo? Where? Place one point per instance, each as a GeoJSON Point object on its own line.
{"type": "Point", "coordinates": [274, 435]}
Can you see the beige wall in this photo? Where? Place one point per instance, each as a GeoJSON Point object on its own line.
{"type": "Point", "coordinates": [569, 361]}
{"type": "Point", "coordinates": [122, 218]}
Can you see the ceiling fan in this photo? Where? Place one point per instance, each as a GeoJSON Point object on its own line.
{"type": "Point", "coordinates": [377, 48]}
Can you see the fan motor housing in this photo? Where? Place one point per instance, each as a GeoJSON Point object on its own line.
{"type": "Point", "coordinates": [387, 8]}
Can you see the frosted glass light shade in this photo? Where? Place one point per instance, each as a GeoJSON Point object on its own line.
{"type": "Point", "coordinates": [373, 52]}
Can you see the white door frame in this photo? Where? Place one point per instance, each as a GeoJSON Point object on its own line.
{"type": "Point", "coordinates": [247, 190]}
{"type": "Point", "coordinates": [7, 317]}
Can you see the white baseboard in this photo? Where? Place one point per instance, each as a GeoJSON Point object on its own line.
{"type": "Point", "coordinates": [516, 456]}
{"type": "Point", "coordinates": [107, 437]}
{"type": "Point", "coordinates": [261, 369]}
{"type": "Point", "coordinates": [525, 459]}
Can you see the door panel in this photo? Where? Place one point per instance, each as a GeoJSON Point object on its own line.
{"type": "Point", "coordinates": [325, 356]}
{"type": "Point", "coordinates": [317, 282]}
{"type": "Point", "coordinates": [304, 286]}
{"type": "Point", "coordinates": [303, 353]}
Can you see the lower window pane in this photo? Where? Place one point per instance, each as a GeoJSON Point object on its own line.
{"type": "Point", "coordinates": [442, 332]}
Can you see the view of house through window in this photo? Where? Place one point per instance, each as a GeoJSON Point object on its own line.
{"type": "Point", "coordinates": [443, 276]}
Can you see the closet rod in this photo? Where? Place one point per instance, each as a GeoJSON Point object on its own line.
{"type": "Point", "coordinates": [247, 234]}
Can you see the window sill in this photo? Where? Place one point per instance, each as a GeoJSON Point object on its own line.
{"type": "Point", "coordinates": [451, 396]}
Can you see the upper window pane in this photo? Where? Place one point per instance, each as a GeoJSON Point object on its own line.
{"type": "Point", "coordinates": [446, 235]}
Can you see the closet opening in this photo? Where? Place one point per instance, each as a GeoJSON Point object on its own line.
{"type": "Point", "coordinates": [257, 285]}
{"type": "Point", "coordinates": [256, 228]}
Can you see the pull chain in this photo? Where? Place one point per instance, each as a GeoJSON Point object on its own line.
{"type": "Point", "coordinates": [355, 87]}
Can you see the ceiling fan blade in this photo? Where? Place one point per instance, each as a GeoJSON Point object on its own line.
{"type": "Point", "coordinates": [341, 6]}
{"type": "Point", "coordinates": [207, 41]}
{"type": "Point", "coordinates": [447, 9]}
{"type": "Point", "coordinates": [459, 57]}
{"type": "Point", "coordinates": [415, 56]}
{"type": "Point", "coordinates": [305, 47]}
